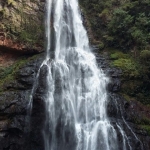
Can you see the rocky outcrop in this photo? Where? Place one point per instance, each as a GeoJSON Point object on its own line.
{"type": "Point", "coordinates": [16, 131]}
{"type": "Point", "coordinates": [131, 115]}
{"type": "Point", "coordinates": [21, 29]}
{"type": "Point", "coordinates": [22, 129]}
{"type": "Point", "coordinates": [21, 25]}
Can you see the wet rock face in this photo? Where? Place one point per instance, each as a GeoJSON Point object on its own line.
{"type": "Point", "coordinates": [18, 131]}
{"type": "Point", "coordinates": [122, 112]}
{"type": "Point", "coordinates": [114, 74]}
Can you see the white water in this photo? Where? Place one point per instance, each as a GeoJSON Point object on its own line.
{"type": "Point", "coordinates": [76, 99]}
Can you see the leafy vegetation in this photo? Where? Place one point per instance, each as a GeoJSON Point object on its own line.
{"type": "Point", "coordinates": [136, 74]}
{"type": "Point", "coordinates": [120, 24]}
{"type": "Point", "coordinates": [145, 57]}
{"type": "Point", "coordinates": [143, 122]}
{"type": "Point", "coordinates": [122, 28]}
{"type": "Point", "coordinates": [146, 128]}
{"type": "Point", "coordinates": [128, 65]}
{"type": "Point", "coordinates": [30, 32]}
{"type": "Point", "coordinates": [118, 54]}
{"type": "Point", "coordinates": [8, 74]}
{"type": "Point", "coordinates": [5, 71]}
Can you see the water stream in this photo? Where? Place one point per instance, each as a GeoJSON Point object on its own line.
{"type": "Point", "coordinates": [76, 96]}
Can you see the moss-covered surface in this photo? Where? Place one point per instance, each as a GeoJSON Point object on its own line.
{"type": "Point", "coordinates": [23, 22]}
{"type": "Point", "coordinates": [146, 128]}
{"type": "Point", "coordinates": [130, 66]}
{"type": "Point", "coordinates": [135, 79]}
{"type": "Point", "coordinates": [8, 74]}
{"type": "Point", "coordinates": [143, 123]}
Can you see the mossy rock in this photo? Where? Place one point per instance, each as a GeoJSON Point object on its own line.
{"type": "Point", "coordinates": [127, 97]}
{"type": "Point", "coordinates": [129, 67]}
{"type": "Point", "coordinates": [131, 87]}
{"type": "Point", "coordinates": [145, 56]}
{"type": "Point", "coordinates": [146, 128]}
{"type": "Point", "coordinates": [119, 54]}
{"type": "Point", "coordinates": [101, 45]}
{"type": "Point", "coordinates": [8, 74]}
{"type": "Point", "coordinates": [135, 77]}
{"type": "Point", "coordinates": [26, 24]}
{"type": "Point", "coordinates": [143, 121]}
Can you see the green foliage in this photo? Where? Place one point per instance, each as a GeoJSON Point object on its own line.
{"type": "Point", "coordinates": [121, 24]}
{"type": "Point", "coordinates": [133, 28]}
{"type": "Point", "coordinates": [128, 29]}
{"type": "Point", "coordinates": [124, 25]}
{"type": "Point", "coordinates": [145, 65]}
{"type": "Point", "coordinates": [27, 37]}
{"type": "Point", "coordinates": [145, 55]}
{"type": "Point", "coordinates": [108, 38]}
{"type": "Point", "coordinates": [101, 45]}
{"type": "Point", "coordinates": [126, 63]}
{"type": "Point", "coordinates": [146, 128]}
{"type": "Point", "coordinates": [5, 71]}
{"type": "Point", "coordinates": [119, 54]}
{"type": "Point", "coordinates": [144, 123]}
{"type": "Point", "coordinates": [30, 31]}
{"type": "Point", "coordinates": [105, 15]}
{"type": "Point", "coordinates": [8, 74]}
{"type": "Point", "coordinates": [128, 66]}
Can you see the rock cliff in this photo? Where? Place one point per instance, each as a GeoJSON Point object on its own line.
{"type": "Point", "coordinates": [21, 25]}
{"type": "Point", "coordinates": [22, 130]}
{"type": "Point", "coordinates": [21, 35]}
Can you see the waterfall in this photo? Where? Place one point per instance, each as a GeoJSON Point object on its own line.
{"type": "Point", "coordinates": [76, 96]}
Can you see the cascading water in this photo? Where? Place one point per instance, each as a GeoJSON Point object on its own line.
{"type": "Point", "coordinates": [76, 97]}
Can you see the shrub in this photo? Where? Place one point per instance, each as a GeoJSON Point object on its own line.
{"type": "Point", "coordinates": [118, 55]}
{"type": "Point", "coordinates": [146, 128]}
{"type": "Point", "coordinates": [101, 45]}
{"type": "Point", "coordinates": [5, 71]}
{"type": "Point", "coordinates": [128, 66]}
{"type": "Point", "coordinates": [145, 55]}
